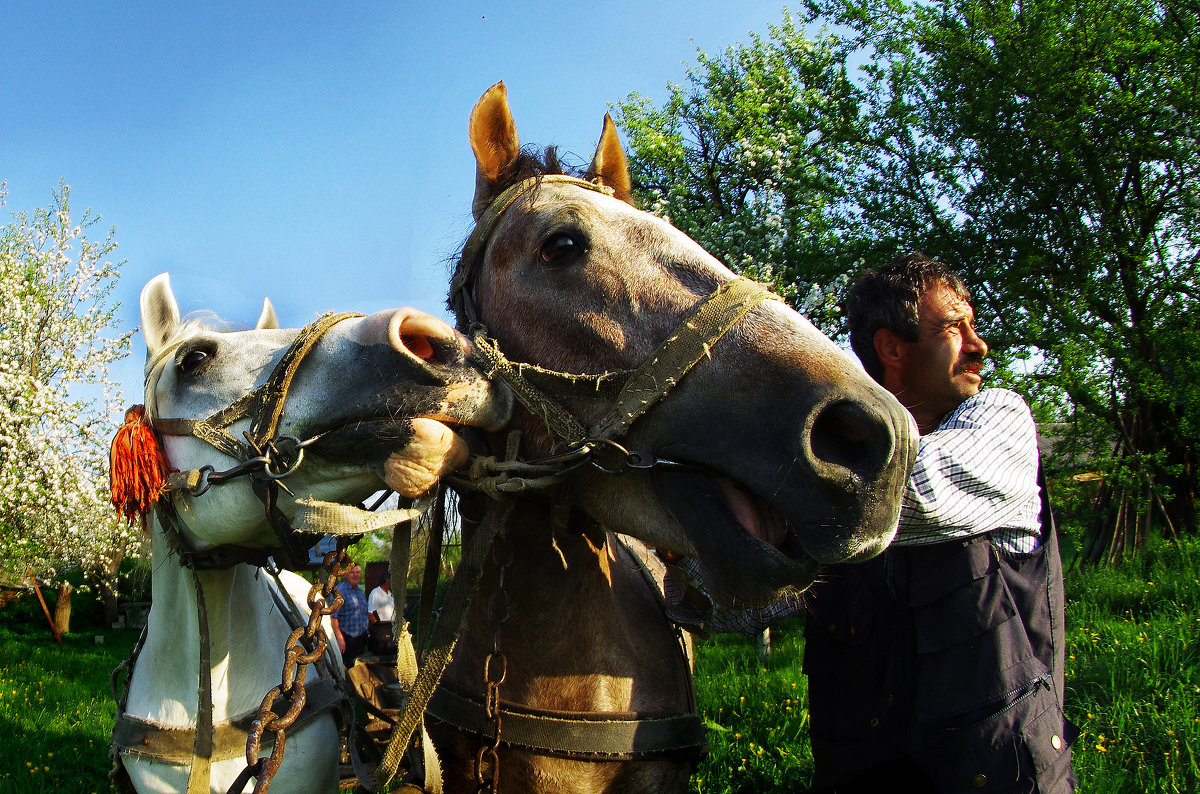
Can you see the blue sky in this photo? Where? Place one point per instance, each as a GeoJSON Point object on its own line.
{"type": "Point", "coordinates": [312, 152]}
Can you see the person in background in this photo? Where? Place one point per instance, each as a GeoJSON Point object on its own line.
{"type": "Point", "coordinates": [939, 664]}
{"type": "Point", "coordinates": [350, 620]}
{"type": "Point", "coordinates": [381, 607]}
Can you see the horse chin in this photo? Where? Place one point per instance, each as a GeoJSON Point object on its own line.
{"type": "Point", "coordinates": [748, 552]}
{"type": "Point", "coordinates": [410, 456]}
{"type": "Point", "coordinates": [364, 440]}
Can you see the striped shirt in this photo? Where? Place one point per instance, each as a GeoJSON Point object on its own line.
{"type": "Point", "coordinates": [976, 473]}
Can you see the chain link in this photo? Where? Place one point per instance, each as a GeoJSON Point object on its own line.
{"type": "Point", "coordinates": [495, 671]}
{"type": "Point", "coordinates": [297, 657]}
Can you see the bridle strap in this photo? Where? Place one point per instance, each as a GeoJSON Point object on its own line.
{"type": "Point", "coordinates": [476, 245]}
{"type": "Point", "coordinates": [692, 341]}
{"type": "Point", "coordinates": [708, 321]}
{"type": "Point", "coordinates": [544, 407]}
{"type": "Point", "coordinates": [265, 407]}
{"type": "Point", "coordinates": [275, 390]}
{"type": "Point", "coordinates": [635, 392]}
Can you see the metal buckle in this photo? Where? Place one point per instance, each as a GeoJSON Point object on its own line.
{"type": "Point", "coordinates": [284, 455]}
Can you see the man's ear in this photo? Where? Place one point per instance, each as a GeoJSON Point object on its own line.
{"type": "Point", "coordinates": [890, 348]}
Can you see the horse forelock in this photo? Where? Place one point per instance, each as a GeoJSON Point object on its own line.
{"type": "Point", "coordinates": [157, 364]}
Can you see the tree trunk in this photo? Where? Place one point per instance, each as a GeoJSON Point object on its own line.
{"type": "Point", "coordinates": [62, 608]}
{"type": "Point", "coordinates": [1126, 517]}
{"type": "Point", "coordinates": [111, 603]}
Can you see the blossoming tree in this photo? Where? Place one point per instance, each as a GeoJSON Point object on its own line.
{"type": "Point", "coordinates": [56, 344]}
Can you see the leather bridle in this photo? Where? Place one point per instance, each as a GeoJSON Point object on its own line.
{"type": "Point", "coordinates": [263, 456]}
{"type": "Point", "coordinates": [634, 392]}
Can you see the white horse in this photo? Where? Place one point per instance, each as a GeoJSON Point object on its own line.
{"type": "Point", "coordinates": [365, 388]}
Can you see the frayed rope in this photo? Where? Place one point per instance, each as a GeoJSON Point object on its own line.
{"type": "Point", "coordinates": [138, 466]}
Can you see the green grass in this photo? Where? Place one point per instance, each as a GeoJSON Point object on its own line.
{"type": "Point", "coordinates": [1133, 673]}
{"type": "Point", "coordinates": [755, 713]}
{"type": "Point", "coordinates": [56, 713]}
{"type": "Point", "coordinates": [1133, 686]}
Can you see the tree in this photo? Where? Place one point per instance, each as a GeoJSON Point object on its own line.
{"type": "Point", "coordinates": [55, 288]}
{"type": "Point", "coordinates": [747, 159]}
{"type": "Point", "coordinates": [1047, 149]}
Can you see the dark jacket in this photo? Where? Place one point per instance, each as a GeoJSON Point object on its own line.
{"type": "Point", "coordinates": [947, 658]}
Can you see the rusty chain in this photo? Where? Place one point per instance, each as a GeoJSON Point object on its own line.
{"type": "Point", "coordinates": [495, 671]}
{"type": "Point", "coordinates": [297, 657]}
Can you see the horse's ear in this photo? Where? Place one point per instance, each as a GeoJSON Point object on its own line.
{"type": "Point", "coordinates": [160, 312]}
{"type": "Point", "coordinates": [494, 141]}
{"type": "Point", "coordinates": [268, 319]}
{"type": "Point", "coordinates": [609, 165]}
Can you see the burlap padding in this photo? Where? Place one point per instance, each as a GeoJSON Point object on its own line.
{"type": "Point", "coordinates": [174, 745]}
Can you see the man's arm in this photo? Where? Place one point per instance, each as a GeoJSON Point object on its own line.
{"type": "Point", "coordinates": [337, 626]}
{"type": "Point", "coordinates": [976, 473]}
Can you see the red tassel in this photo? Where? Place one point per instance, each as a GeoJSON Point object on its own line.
{"type": "Point", "coordinates": [138, 466]}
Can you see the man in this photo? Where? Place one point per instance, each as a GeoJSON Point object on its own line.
{"type": "Point", "coordinates": [381, 606]}
{"type": "Point", "coordinates": [938, 666]}
{"type": "Point", "coordinates": [350, 620]}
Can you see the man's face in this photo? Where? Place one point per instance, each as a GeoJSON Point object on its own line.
{"type": "Point", "coordinates": [354, 576]}
{"type": "Point", "coordinates": [941, 368]}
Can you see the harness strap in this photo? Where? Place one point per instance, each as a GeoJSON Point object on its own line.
{"type": "Point", "coordinates": [199, 771]}
{"type": "Point", "coordinates": [315, 517]}
{"type": "Point", "coordinates": [704, 326]}
{"type": "Point", "coordinates": [274, 391]}
{"type": "Point", "coordinates": [211, 430]}
{"type": "Point", "coordinates": [582, 736]}
{"type": "Point", "coordinates": [139, 737]}
{"type": "Point", "coordinates": [476, 245]}
{"type": "Point", "coordinates": [495, 365]}
{"type": "Point", "coordinates": [707, 322]}
{"type": "Point", "coordinates": [445, 635]}
{"type": "Point", "coordinates": [406, 655]}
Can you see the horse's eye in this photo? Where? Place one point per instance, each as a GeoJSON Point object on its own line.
{"type": "Point", "coordinates": [559, 249]}
{"type": "Point", "coordinates": [191, 360]}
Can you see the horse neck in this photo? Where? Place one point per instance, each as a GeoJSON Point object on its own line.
{"type": "Point", "coordinates": [245, 631]}
{"type": "Point", "coordinates": [581, 627]}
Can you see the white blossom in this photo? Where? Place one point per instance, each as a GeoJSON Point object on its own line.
{"type": "Point", "coordinates": [55, 343]}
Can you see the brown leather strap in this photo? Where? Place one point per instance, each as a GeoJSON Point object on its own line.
{"type": "Point", "coordinates": [584, 736]}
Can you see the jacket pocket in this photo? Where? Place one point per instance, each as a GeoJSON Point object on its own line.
{"type": "Point", "coordinates": [1025, 747]}
{"type": "Point", "coordinates": [972, 649]}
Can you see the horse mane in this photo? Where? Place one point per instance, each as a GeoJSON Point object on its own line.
{"type": "Point", "coordinates": [532, 163]}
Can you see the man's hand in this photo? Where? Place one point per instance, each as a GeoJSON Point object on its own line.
{"type": "Point", "coordinates": [337, 634]}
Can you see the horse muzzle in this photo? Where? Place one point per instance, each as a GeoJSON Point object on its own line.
{"type": "Point", "coordinates": [400, 365]}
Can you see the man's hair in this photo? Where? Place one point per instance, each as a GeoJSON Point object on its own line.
{"type": "Point", "coordinates": [888, 297]}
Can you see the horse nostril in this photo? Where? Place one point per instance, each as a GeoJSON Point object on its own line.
{"type": "Point", "coordinates": [425, 338]}
{"type": "Point", "coordinates": [846, 436]}
{"type": "Point", "coordinates": [416, 344]}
